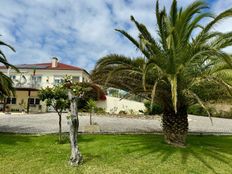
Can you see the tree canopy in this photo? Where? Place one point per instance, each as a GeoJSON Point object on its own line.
{"type": "Point", "coordinates": [178, 60]}
{"type": "Point", "coordinates": [6, 84]}
{"type": "Point", "coordinates": [174, 64]}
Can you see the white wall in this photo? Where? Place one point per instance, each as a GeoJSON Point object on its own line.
{"type": "Point", "coordinates": [47, 75]}
{"type": "Point", "coordinates": [115, 105]}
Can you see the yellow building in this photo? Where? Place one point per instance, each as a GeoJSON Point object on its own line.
{"type": "Point", "coordinates": [33, 77]}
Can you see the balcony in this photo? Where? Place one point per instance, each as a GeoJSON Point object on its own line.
{"type": "Point", "coordinates": [28, 85]}
{"type": "Point", "coordinates": [25, 81]}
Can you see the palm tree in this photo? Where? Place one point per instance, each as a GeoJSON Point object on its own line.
{"type": "Point", "coordinates": [173, 64]}
{"type": "Point", "coordinates": [6, 84]}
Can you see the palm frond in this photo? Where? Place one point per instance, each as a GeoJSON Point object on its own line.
{"type": "Point", "coordinates": [162, 27]}
{"type": "Point", "coordinates": [153, 93]}
{"type": "Point", "coordinates": [191, 93]}
{"type": "Point", "coordinates": [173, 13]}
{"type": "Point", "coordinates": [5, 44]}
{"type": "Point", "coordinates": [6, 85]}
{"type": "Point", "coordinates": [178, 60]}
{"type": "Point", "coordinates": [220, 17]}
{"type": "Point", "coordinates": [129, 37]}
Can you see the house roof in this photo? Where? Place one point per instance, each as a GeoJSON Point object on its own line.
{"type": "Point", "coordinates": [60, 66]}
{"type": "Point", "coordinates": [47, 66]}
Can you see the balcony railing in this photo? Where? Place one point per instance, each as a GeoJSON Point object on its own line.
{"type": "Point", "coordinates": [36, 85]}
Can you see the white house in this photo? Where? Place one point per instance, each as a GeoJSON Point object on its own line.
{"type": "Point", "coordinates": [33, 77]}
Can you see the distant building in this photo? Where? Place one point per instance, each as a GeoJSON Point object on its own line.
{"type": "Point", "coordinates": [33, 77]}
{"type": "Point", "coordinates": [115, 105]}
{"type": "Point", "coordinates": [119, 101]}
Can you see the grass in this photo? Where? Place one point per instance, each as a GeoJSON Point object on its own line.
{"type": "Point", "coordinates": [106, 154]}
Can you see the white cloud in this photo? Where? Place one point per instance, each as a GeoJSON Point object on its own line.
{"type": "Point", "coordinates": [79, 32]}
{"type": "Point", "coordinates": [225, 25]}
{"type": "Point", "coordinates": [218, 7]}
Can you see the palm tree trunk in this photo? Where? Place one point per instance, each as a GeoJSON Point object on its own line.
{"type": "Point", "coordinates": [76, 156]}
{"type": "Point", "coordinates": [175, 126]}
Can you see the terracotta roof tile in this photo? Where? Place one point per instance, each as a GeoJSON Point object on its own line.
{"type": "Point", "coordinates": [61, 66]}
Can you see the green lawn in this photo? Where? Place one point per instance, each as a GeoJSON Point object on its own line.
{"type": "Point", "coordinates": [106, 154]}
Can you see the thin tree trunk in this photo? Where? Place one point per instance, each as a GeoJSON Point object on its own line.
{"type": "Point", "coordinates": [90, 118]}
{"type": "Point", "coordinates": [76, 157]}
{"type": "Point", "coordinates": [175, 126]}
{"type": "Point", "coordinates": [60, 127]}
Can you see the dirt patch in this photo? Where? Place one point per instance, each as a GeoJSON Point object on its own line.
{"type": "Point", "coordinates": [221, 107]}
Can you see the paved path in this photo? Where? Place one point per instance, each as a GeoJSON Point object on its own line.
{"type": "Point", "coordinates": [48, 123]}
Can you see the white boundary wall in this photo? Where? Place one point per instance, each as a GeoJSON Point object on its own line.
{"type": "Point", "coordinates": [115, 105]}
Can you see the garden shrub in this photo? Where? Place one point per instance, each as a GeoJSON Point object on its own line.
{"type": "Point", "coordinates": [122, 112]}
{"type": "Point", "coordinates": [100, 110]}
{"type": "Point", "coordinates": [155, 109]}
{"type": "Point", "coordinates": [197, 110]}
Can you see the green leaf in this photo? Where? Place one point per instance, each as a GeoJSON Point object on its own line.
{"type": "Point", "coordinates": [201, 104]}
{"type": "Point", "coordinates": [153, 93]}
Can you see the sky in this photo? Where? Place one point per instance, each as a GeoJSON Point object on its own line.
{"type": "Point", "coordinates": [79, 32]}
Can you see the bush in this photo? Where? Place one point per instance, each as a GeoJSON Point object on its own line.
{"type": "Point", "coordinates": [155, 109]}
{"type": "Point", "coordinates": [122, 113]}
{"type": "Point", "coordinates": [197, 110]}
{"type": "Point", "coordinates": [99, 110]}
{"type": "Point", "coordinates": [204, 91]}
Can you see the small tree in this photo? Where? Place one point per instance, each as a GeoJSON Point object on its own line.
{"type": "Point", "coordinates": [76, 91]}
{"type": "Point", "coordinates": [57, 98]}
{"type": "Point", "coordinates": [91, 106]}
{"type": "Point", "coordinates": [67, 96]}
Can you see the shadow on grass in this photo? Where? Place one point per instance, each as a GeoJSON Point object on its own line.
{"type": "Point", "coordinates": [14, 138]}
{"type": "Point", "coordinates": [216, 148]}
{"type": "Point", "coordinates": [19, 129]}
{"type": "Point", "coordinates": [203, 149]}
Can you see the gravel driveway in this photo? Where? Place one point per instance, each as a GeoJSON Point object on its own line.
{"type": "Point", "coordinates": [48, 123]}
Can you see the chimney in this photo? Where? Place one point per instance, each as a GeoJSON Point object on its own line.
{"type": "Point", "coordinates": [54, 62]}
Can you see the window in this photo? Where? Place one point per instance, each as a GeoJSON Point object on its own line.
{"type": "Point", "coordinates": [37, 101]}
{"type": "Point", "coordinates": [34, 101]}
{"type": "Point", "coordinates": [37, 79]}
{"type": "Point", "coordinates": [11, 100]}
{"type": "Point", "coordinates": [58, 80]}
{"type": "Point", "coordinates": [76, 79]}
{"type": "Point", "coordinates": [31, 101]}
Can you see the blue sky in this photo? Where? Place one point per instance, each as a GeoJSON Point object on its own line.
{"type": "Point", "coordinates": [79, 32]}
